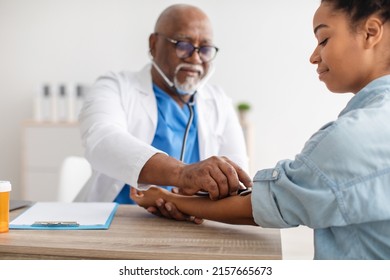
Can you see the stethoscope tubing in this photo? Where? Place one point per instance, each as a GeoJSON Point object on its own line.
{"type": "Point", "coordinates": [190, 105]}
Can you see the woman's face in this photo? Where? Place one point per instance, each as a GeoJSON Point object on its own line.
{"type": "Point", "coordinates": [343, 62]}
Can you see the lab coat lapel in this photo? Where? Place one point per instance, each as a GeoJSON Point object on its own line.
{"type": "Point", "coordinates": [206, 136]}
{"type": "Point", "coordinates": [147, 97]}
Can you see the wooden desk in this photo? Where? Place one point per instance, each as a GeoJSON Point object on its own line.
{"type": "Point", "coordinates": [136, 234]}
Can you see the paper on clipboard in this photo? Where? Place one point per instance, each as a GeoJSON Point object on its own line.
{"type": "Point", "coordinates": [64, 215]}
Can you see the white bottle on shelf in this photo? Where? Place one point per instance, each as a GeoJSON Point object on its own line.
{"type": "Point", "coordinates": [79, 99]}
{"type": "Point", "coordinates": [53, 106]}
{"type": "Point", "coordinates": [61, 103]}
{"type": "Point", "coordinates": [42, 111]}
{"type": "Point", "coordinates": [71, 99]}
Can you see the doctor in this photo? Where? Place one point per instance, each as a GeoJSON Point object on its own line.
{"type": "Point", "coordinates": [164, 125]}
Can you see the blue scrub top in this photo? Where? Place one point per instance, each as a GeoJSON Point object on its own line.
{"type": "Point", "coordinates": [171, 126]}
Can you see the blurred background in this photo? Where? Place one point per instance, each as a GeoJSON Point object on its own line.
{"type": "Point", "coordinates": [263, 61]}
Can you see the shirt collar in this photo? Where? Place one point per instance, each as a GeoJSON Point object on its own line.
{"type": "Point", "coordinates": [366, 94]}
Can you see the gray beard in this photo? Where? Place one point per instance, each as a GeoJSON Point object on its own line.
{"type": "Point", "coordinates": [189, 86]}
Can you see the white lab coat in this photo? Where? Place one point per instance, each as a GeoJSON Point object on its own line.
{"type": "Point", "coordinates": [118, 123]}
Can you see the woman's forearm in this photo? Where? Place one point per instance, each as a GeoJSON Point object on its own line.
{"type": "Point", "coordinates": [232, 210]}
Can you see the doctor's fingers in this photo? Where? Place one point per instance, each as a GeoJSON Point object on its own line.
{"type": "Point", "coordinates": [243, 177]}
{"type": "Point", "coordinates": [175, 214]}
{"type": "Point", "coordinates": [211, 175]}
{"type": "Point", "coordinates": [168, 210]}
{"type": "Point", "coordinates": [231, 178]}
{"type": "Point", "coordinates": [160, 205]}
{"type": "Point", "coordinates": [225, 181]}
{"type": "Point", "coordinates": [220, 187]}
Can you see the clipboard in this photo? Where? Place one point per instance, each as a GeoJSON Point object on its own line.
{"type": "Point", "coordinates": [66, 216]}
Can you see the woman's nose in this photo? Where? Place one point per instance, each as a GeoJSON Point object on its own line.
{"type": "Point", "coordinates": [315, 57]}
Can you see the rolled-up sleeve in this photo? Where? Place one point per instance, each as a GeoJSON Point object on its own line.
{"type": "Point", "coordinates": [293, 194]}
{"type": "Point", "coordinates": [265, 208]}
{"type": "Point", "coordinates": [299, 192]}
{"type": "Point", "coordinates": [330, 181]}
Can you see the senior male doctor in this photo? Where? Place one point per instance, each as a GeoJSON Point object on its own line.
{"type": "Point", "coordinates": [164, 125]}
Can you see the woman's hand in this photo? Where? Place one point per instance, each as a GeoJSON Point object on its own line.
{"type": "Point", "coordinates": [147, 198]}
{"type": "Point", "coordinates": [155, 201]}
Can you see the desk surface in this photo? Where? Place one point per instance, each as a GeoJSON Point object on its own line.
{"type": "Point", "coordinates": [136, 234]}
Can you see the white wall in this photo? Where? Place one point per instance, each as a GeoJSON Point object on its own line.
{"type": "Point", "coordinates": [264, 59]}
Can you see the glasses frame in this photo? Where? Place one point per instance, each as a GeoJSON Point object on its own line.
{"type": "Point", "coordinates": [197, 49]}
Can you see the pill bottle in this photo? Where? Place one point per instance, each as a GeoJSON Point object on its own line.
{"type": "Point", "coordinates": [5, 188]}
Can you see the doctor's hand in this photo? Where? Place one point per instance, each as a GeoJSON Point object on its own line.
{"type": "Point", "coordinates": [156, 205]}
{"type": "Point", "coordinates": [219, 176]}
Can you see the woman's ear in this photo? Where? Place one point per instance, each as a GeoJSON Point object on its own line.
{"type": "Point", "coordinates": [373, 29]}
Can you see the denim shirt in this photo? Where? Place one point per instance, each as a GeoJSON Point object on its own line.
{"type": "Point", "coordinates": [339, 184]}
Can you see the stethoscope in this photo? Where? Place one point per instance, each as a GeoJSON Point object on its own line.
{"type": "Point", "coordinates": [190, 104]}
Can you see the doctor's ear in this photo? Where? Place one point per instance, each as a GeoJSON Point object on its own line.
{"type": "Point", "coordinates": [152, 44]}
{"type": "Point", "coordinates": [150, 54]}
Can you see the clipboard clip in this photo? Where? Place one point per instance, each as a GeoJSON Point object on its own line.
{"type": "Point", "coordinates": [55, 224]}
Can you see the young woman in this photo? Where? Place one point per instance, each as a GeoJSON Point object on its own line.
{"type": "Point", "coordinates": [339, 184]}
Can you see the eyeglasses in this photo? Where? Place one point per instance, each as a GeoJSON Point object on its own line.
{"type": "Point", "coordinates": [186, 49]}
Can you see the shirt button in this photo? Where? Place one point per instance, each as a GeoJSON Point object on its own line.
{"type": "Point", "coordinates": [275, 174]}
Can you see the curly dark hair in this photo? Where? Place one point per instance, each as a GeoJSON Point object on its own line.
{"type": "Point", "coordinates": [359, 10]}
